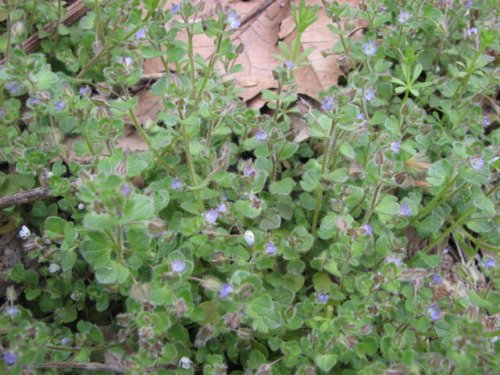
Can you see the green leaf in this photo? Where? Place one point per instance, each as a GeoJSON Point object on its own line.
{"type": "Point", "coordinates": [439, 172]}
{"type": "Point", "coordinates": [161, 296]}
{"type": "Point", "coordinates": [288, 150]}
{"type": "Point", "coordinates": [282, 187]}
{"type": "Point", "coordinates": [99, 222]}
{"type": "Point", "coordinates": [310, 180]}
{"type": "Point", "coordinates": [301, 240]}
{"type": "Point", "coordinates": [138, 208]}
{"type": "Point", "coordinates": [112, 272]}
{"type": "Point", "coordinates": [96, 250]}
{"type": "Point", "coordinates": [265, 318]}
{"type": "Point", "coordinates": [55, 227]}
{"type": "Point", "coordinates": [326, 361]}
{"type": "Point", "coordinates": [246, 209]}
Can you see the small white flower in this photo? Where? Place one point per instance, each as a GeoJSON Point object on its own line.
{"type": "Point", "coordinates": [47, 174]}
{"type": "Point", "coordinates": [81, 206]}
{"type": "Point", "coordinates": [249, 237]}
{"type": "Point", "coordinates": [53, 267]}
{"type": "Point", "coordinates": [24, 233]}
{"type": "Point", "coordinates": [185, 363]}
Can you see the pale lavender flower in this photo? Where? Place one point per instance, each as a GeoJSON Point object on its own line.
{"type": "Point", "coordinates": [11, 311]}
{"type": "Point", "coordinates": [477, 164]}
{"type": "Point", "coordinates": [65, 341]}
{"type": "Point", "coordinates": [468, 4]}
{"type": "Point", "coordinates": [270, 248]}
{"type": "Point", "coordinates": [60, 105]}
{"type": "Point", "coordinates": [395, 260]}
{"type": "Point", "coordinates": [221, 208]}
{"type": "Point", "coordinates": [328, 104]}
{"type": "Point", "coordinates": [126, 190]}
{"type": "Point", "coordinates": [233, 20]}
{"type": "Point", "coordinates": [368, 230]}
{"type": "Point", "coordinates": [178, 266]}
{"type": "Point", "coordinates": [24, 233]}
{"type": "Point", "coordinates": [261, 135]}
{"type": "Point", "coordinates": [13, 87]}
{"type": "Point", "coordinates": [176, 184]}
{"type": "Point", "coordinates": [490, 263]}
{"type": "Point", "coordinates": [472, 32]}
{"type": "Point", "coordinates": [53, 267]}
{"type": "Point", "coordinates": [176, 8]}
{"type": "Point", "coordinates": [31, 102]}
{"type": "Point", "coordinates": [84, 90]}
{"type": "Point", "coordinates": [436, 279]}
{"type": "Point", "coordinates": [434, 312]}
{"type": "Point", "coordinates": [249, 237]}
{"type": "Point", "coordinates": [369, 94]}
{"type": "Point", "coordinates": [127, 61]}
{"type": "Point", "coordinates": [370, 48]}
{"type": "Point", "coordinates": [486, 121]}
{"type": "Point", "coordinates": [225, 290]}
{"type": "Point", "coordinates": [211, 216]}
{"type": "Point", "coordinates": [404, 16]}
{"type": "Point", "coordinates": [10, 358]}
{"type": "Point", "coordinates": [248, 170]}
{"type": "Point", "coordinates": [395, 147]}
{"type": "Point", "coordinates": [140, 34]}
{"type": "Point", "coordinates": [185, 363]}
{"type": "Point", "coordinates": [322, 298]}
{"type": "Point", "coordinates": [289, 64]}
{"type": "Point", "coordinates": [405, 210]}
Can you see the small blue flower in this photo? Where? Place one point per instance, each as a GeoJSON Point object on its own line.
{"type": "Point", "coordinates": [140, 34]}
{"type": "Point", "coordinates": [490, 263]}
{"type": "Point", "coordinates": [233, 20]}
{"type": "Point", "coordinates": [13, 87]}
{"type": "Point", "coordinates": [127, 61]}
{"type": "Point", "coordinates": [486, 121]}
{"type": "Point", "coordinates": [31, 102]}
{"type": "Point", "coordinates": [248, 170]}
{"type": "Point", "coordinates": [211, 216]}
{"type": "Point", "coordinates": [10, 358]}
{"type": "Point", "coordinates": [221, 208]}
{"type": "Point", "coordinates": [434, 312]}
{"type": "Point", "coordinates": [436, 279]}
{"type": "Point", "coordinates": [60, 105]}
{"type": "Point", "coordinates": [405, 210]}
{"type": "Point", "coordinates": [394, 260]}
{"type": "Point", "coordinates": [65, 341]}
{"type": "Point", "coordinates": [261, 135]}
{"type": "Point", "coordinates": [477, 164]}
{"type": "Point", "coordinates": [369, 94]}
{"type": "Point", "coordinates": [370, 48]}
{"type": "Point", "coordinates": [328, 104]}
{"type": "Point", "coordinates": [468, 4]}
{"type": "Point", "coordinates": [178, 266]}
{"type": "Point", "coordinates": [322, 298]}
{"type": "Point", "coordinates": [84, 90]}
{"type": "Point", "coordinates": [404, 16]}
{"type": "Point", "coordinates": [12, 311]}
{"type": "Point", "coordinates": [367, 229]}
{"type": "Point", "coordinates": [395, 147]}
{"type": "Point", "coordinates": [176, 8]}
{"type": "Point", "coordinates": [289, 64]}
{"type": "Point", "coordinates": [176, 184]}
{"type": "Point", "coordinates": [271, 248]}
{"type": "Point", "coordinates": [472, 32]}
{"type": "Point", "coordinates": [225, 290]}
{"type": "Point", "coordinates": [126, 190]}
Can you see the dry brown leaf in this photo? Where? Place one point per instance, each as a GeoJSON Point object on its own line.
{"type": "Point", "coordinates": [264, 23]}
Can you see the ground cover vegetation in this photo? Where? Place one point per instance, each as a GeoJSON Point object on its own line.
{"type": "Point", "coordinates": [352, 233]}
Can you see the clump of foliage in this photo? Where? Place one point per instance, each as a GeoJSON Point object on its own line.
{"type": "Point", "coordinates": [228, 247]}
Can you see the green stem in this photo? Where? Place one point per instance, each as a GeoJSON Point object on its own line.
{"type": "Point", "coordinates": [461, 220]}
{"type": "Point", "coordinates": [435, 201]}
{"type": "Point", "coordinates": [119, 242]}
{"type": "Point", "coordinates": [329, 145]}
{"type": "Point", "coordinates": [477, 242]}
{"type": "Point", "coordinates": [209, 71]}
{"type": "Point", "coordinates": [9, 32]}
{"type": "Point", "coordinates": [470, 70]}
{"type": "Point", "coordinates": [146, 139]}
{"type": "Point", "coordinates": [373, 203]}
{"type": "Point", "coordinates": [189, 160]}
{"type": "Point", "coordinates": [191, 57]}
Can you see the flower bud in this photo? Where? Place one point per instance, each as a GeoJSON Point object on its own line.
{"type": "Point", "coordinates": [232, 320]}
{"type": "Point", "coordinates": [211, 283]}
{"type": "Point", "coordinates": [203, 335]}
{"type": "Point", "coordinates": [379, 157]}
{"type": "Point", "coordinates": [249, 237]}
